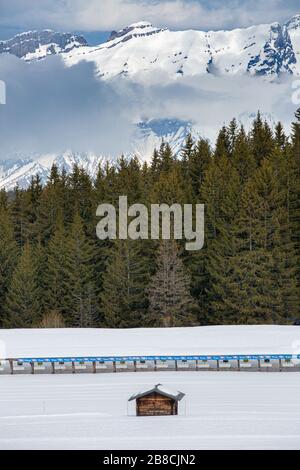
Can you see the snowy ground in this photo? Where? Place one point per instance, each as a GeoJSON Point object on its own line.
{"type": "Point", "coordinates": [224, 410]}
{"type": "Point", "coordinates": [211, 340]}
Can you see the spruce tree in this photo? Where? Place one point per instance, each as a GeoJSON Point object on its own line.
{"type": "Point", "coordinates": [198, 163]}
{"type": "Point", "coordinates": [124, 299]}
{"type": "Point", "coordinates": [262, 139]}
{"type": "Point", "coordinates": [22, 306]}
{"type": "Point", "coordinates": [8, 256]}
{"type": "Point", "coordinates": [220, 193]}
{"type": "Point", "coordinates": [57, 294]}
{"type": "Point", "coordinates": [242, 156]}
{"type": "Point", "coordinates": [223, 144]}
{"type": "Point", "coordinates": [82, 294]}
{"type": "Point", "coordinates": [171, 303]}
{"type": "Point", "coordinates": [280, 137]}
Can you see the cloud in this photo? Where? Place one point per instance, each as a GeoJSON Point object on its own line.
{"type": "Point", "coordinates": [51, 108]}
{"type": "Point", "coordinates": [93, 15]}
{"type": "Point", "coordinates": [209, 101]}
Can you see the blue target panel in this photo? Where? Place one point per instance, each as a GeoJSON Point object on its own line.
{"type": "Point", "coordinates": [158, 358]}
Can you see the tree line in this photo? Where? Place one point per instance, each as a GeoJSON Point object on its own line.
{"type": "Point", "coordinates": [54, 272]}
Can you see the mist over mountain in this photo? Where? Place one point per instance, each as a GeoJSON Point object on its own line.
{"type": "Point", "coordinates": [93, 103]}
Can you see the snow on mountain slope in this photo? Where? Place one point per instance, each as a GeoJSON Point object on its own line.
{"type": "Point", "coordinates": [19, 173]}
{"type": "Point", "coordinates": [39, 44]}
{"type": "Point", "coordinates": [153, 132]}
{"type": "Point", "coordinates": [277, 55]}
{"type": "Point", "coordinates": [142, 51]}
{"type": "Point", "coordinates": [149, 135]}
{"type": "Point", "coordinates": [293, 27]}
{"type": "Point", "coordinates": [174, 53]}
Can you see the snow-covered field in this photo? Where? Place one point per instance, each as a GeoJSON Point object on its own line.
{"type": "Point", "coordinates": [223, 411]}
{"type": "Point", "coordinates": [261, 339]}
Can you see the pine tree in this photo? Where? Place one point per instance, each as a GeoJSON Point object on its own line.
{"type": "Point", "coordinates": [170, 188]}
{"type": "Point", "coordinates": [22, 302]}
{"type": "Point", "coordinates": [166, 158]}
{"type": "Point", "coordinates": [3, 199]}
{"type": "Point", "coordinates": [8, 256]}
{"type": "Point", "coordinates": [57, 295]}
{"type": "Point", "coordinates": [186, 155]}
{"type": "Point", "coordinates": [155, 166]}
{"type": "Point", "coordinates": [195, 159]}
{"type": "Point", "coordinates": [123, 299]}
{"type": "Point", "coordinates": [223, 144]}
{"type": "Point", "coordinates": [280, 137]}
{"type": "Point", "coordinates": [54, 202]}
{"type": "Point", "coordinates": [198, 164]}
{"type": "Point", "coordinates": [262, 139]}
{"type": "Point", "coordinates": [242, 156]}
{"type": "Point", "coordinates": [220, 193]}
{"type": "Point", "coordinates": [80, 197]}
{"type": "Point", "coordinates": [171, 303]}
{"type": "Point", "coordinates": [82, 298]}
{"type": "Point", "coordinates": [106, 185]}
{"type": "Point", "coordinates": [232, 133]}
{"type": "Point", "coordinates": [18, 216]}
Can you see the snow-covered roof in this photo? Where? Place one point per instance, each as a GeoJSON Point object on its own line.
{"type": "Point", "coordinates": [160, 389]}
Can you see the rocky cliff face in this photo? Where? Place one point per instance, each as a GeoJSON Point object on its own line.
{"type": "Point", "coordinates": [277, 56]}
{"type": "Point", "coordinates": [41, 43]}
{"type": "Point", "coordinates": [137, 30]}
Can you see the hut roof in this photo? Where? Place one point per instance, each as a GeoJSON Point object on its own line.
{"type": "Point", "coordinates": [159, 388]}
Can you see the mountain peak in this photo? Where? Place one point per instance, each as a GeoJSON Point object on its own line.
{"type": "Point", "coordinates": [293, 23]}
{"type": "Point", "coordinates": [141, 24]}
{"type": "Point", "coordinates": [39, 44]}
{"type": "Point", "coordinates": [142, 28]}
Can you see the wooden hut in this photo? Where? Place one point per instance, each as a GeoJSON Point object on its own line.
{"type": "Point", "coordinates": [158, 401]}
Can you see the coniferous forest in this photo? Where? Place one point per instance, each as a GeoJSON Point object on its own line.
{"type": "Point", "coordinates": [55, 272]}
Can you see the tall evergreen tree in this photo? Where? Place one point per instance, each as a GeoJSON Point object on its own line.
{"type": "Point", "coordinates": [57, 295]}
{"type": "Point", "coordinates": [123, 299]}
{"type": "Point", "coordinates": [171, 303]}
{"type": "Point", "coordinates": [242, 156]}
{"type": "Point", "coordinates": [8, 256]}
{"type": "Point", "coordinates": [82, 301]}
{"type": "Point", "coordinates": [262, 139]}
{"type": "Point", "coordinates": [22, 302]}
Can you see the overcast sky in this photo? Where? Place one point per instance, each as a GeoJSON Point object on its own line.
{"type": "Point", "coordinates": [106, 15]}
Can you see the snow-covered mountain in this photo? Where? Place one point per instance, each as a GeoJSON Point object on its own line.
{"type": "Point", "coordinates": [39, 44]}
{"type": "Point", "coordinates": [149, 55]}
{"type": "Point", "coordinates": [149, 135]}
{"type": "Point", "coordinates": [20, 172]}
{"type": "Point", "coordinates": [142, 49]}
